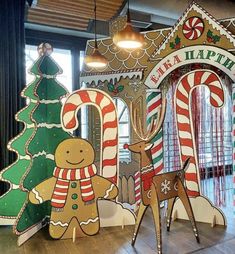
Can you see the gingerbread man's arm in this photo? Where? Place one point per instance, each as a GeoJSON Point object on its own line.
{"type": "Point", "coordinates": [104, 188]}
{"type": "Point", "coordinates": [43, 191]}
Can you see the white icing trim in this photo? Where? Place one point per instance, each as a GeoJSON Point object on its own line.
{"type": "Point", "coordinates": [15, 186]}
{"type": "Point", "coordinates": [44, 101]}
{"type": "Point", "coordinates": [28, 126]}
{"type": "Point", "coordinates": [37, 195]}
{"type": "Point", "coordinates": [48, 101]}
{"type": "Point", "coordinates": [108, 191]}
{"type": "Point", "coordinates": [26, 157]}
{"type": "Point", "coordinates": [43, 153]}
{"type": "Point", "coordinates": [46, 76]}
{"type": "Point", "coordinates": [59, 223]}
{"type": "Point", "coordinates": [108, 77]}
{"type": "Point", "coordinates": [50, 156]}
{"type": "Point", "coordinates": [88, 221]}
{"type": "Point", "coordinates": [49, 126]}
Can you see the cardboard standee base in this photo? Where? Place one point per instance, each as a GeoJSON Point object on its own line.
{"type": "Point", "coordinates": [74, 234]}
{"type": "Point", "coordinates": [28, 234]}
{"type": "Point", "coordinates": [114, 214]}
{"type": "Point", "coordinates": [200, 204]}
{"type": "Point", "coordinates": [7, 222]}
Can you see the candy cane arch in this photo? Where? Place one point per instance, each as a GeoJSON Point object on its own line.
{"type": "Point", "coordinates": [154, 103]}
{"type": "Point", "coordinates": [183, 113]}
{"type": "Point", "coordinates": [109, 125]}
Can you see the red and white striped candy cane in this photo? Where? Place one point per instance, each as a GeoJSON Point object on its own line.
{"type": "Point", "coordinates": [109, 125]}
{"type": "Point", "coordinates": [137, 189]}
{"type": "Point", "coordinates": [183, 113]}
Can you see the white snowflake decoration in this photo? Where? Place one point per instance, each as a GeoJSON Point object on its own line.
{"type": "Point", "coordinates": [165, 186]}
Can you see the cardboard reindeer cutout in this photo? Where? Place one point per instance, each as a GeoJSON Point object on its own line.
{"type": "Point", "coordinates": [157, 188]}
{"type": "Point", "coordinates": [74, 190]}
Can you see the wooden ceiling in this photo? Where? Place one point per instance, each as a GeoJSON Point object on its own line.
{"type": "Point", "coordinates": [72, 14]}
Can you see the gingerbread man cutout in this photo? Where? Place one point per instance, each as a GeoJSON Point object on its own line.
{"type": "Point", "coordinates": [74, 190]}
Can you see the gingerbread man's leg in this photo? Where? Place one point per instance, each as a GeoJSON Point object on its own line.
{"type": "Point", "coordinates": [58, 224]}
{"type": "Point", "coordinates": [89, 220]}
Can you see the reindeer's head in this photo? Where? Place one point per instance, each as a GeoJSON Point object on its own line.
{"type": "Point", "coordinates": [143, 147]}
{"type": "Point", "coordinates": [139, 147]}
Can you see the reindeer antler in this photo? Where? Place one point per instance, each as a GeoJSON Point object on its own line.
{"type": "Point", "coordinates": [137, 123]}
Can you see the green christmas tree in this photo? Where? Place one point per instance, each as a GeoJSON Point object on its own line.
{"type": "Point", "coordinates": [47, 135]}
{"type": "Point", "coordinates": [12, 201]}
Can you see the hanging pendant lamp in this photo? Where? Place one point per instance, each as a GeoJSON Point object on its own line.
{"type": "Point", "coordinates": [95, 60]}
{"type": "Point", "coordinates": [128, 38]}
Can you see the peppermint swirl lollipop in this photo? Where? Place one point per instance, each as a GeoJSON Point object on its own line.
{"type": "Point", "coordinates": [193, 28]}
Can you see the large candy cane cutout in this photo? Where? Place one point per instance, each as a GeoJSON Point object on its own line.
{"type": "Point", "coordinates": [183, 113]}
{"type": "Point", "coordinates": [109, 125]}
{"type": "Point", "coordinates": [154, 102]}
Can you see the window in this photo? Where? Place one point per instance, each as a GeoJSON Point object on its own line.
{"type": "Point", "coordinates": [61, 56]}
{"type": "Point", "coordinates": [84, 111]}
{"type": "Point", "coordinates": [124, 129]}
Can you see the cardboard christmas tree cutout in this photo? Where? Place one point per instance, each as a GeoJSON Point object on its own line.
{"type": "Point", "coordinates": [44, 140]}
{"type": "Point", "coordinates": [12, 201]}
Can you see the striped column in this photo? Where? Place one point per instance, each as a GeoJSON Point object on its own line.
{"type": "Point", "coordinates": [154, 101]}
{"type": "Point", "coordinates": [137, 189]}
{"type": "Point", "coordinates": [234, 149]}
{"type": "Point", "coordinates": [183, 113]}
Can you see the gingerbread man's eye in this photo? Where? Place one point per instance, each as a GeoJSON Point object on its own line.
{"type": "Point", "coordinates": [81, 151]}
{"type": "Point", "coordinates": [67, 152]}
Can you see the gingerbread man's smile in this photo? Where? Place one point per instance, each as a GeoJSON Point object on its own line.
{"type": "Point", "coordinates": [75, 163]}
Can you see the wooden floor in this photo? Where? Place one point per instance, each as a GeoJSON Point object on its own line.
{"type": "Point", "coordinates": [115, 240]}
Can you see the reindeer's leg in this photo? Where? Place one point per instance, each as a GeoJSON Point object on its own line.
{"type": "Point", "coordinates": [187, 205]}
{"type": "Point", "coordinates": [170, 206]}
{"type": "Point", "coordinates": [155, 206]}
{"type": "Point", "coordinates": [140, 215]}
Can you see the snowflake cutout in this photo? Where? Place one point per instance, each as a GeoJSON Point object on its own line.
{"type": "Point", "coordinates": [165, 186]}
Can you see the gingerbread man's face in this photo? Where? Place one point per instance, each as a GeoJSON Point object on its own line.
{"type": "Point", "coordinates": [74, 153]}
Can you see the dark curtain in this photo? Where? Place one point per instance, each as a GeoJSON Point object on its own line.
{"type": "Point", "coordinates": [12, 75]}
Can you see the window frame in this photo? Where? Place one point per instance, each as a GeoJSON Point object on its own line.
{"type": "Point", "coordinates": [126, 108]}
